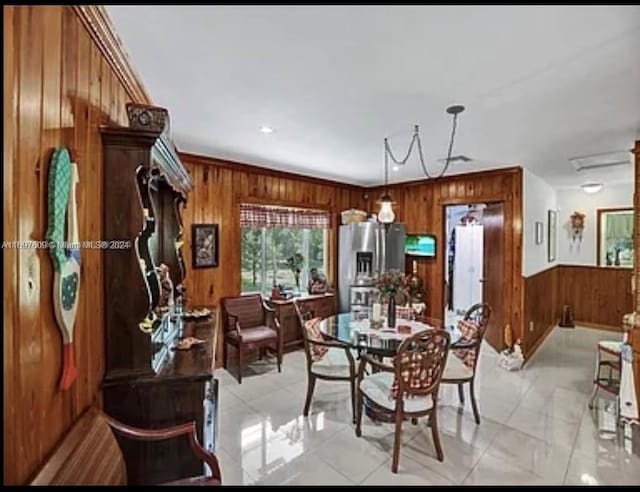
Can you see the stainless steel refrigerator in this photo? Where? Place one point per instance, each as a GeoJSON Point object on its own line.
{"type": "Point", "coordinates": [365, 251]}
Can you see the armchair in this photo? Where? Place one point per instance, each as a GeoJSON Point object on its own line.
{"type": "Point", "coordinates": [249, 324]}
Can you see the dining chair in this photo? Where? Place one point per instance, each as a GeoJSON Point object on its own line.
{"type": "Point", "coordinates": [408, 388]}
{"type": "Point", "coordinates": [609, 359]}
{"type": "Point", "coordinates": [329, 360]}
{"type": "Point", "coordinates": [246, 326]}
{"type": "Point", "coordinates": [463, 357]}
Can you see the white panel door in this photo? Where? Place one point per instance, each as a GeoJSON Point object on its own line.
{"type": "Point", "coordinates": [467, 287]}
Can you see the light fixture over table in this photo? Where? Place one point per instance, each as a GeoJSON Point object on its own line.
{"type": "Point", "coordinates": [386, 214]}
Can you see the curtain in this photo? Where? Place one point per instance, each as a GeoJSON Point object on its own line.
{"type": "Point", "coordinates": [294, 218]}
{"type": "Point", "coordinates": [619, 226]}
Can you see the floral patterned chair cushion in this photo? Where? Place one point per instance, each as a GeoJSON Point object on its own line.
{"type": "Point", "coordinates": [470, 333]}
{"type": "Point", "coordinates": [313, 333]}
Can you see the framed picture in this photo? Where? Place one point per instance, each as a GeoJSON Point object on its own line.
{"type": "Point", "coordinates": [204, 245]}
{"type": "Point", "coordinates": [615, 237]}
{"type": "Point", "coordinates": [539, 232]}
{"type": "Point", "coordinates": [552, 236]}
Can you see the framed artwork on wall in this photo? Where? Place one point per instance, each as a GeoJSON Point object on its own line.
{"type": "Point", "coordinates": [539, 232]}
{"type": "Point", "coordinates": [552, 235]}
{"type": "Point", "coordinates": [204, 245]}
{"type": "Point", "coordinates": [615, 237]}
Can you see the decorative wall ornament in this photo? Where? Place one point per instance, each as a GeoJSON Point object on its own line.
{"type": "Point", "coordinates": [539, 232]}
{"type": "Point", "coordinates": [204, 244]}
{"type": "Point", "coordinates": [577, 226]}
{"type": "Point", "coordinates": [65, 254]}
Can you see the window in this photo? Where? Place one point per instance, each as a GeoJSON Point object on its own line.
{"type": "Point", "coordinates": [615, 237]}
{"type": "Point", "coordinates": [273, 235]}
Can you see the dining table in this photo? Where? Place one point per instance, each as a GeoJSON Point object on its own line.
{"type": "Point", "coordinates": [381, 341]}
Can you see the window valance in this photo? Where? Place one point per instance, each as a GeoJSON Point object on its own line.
{"type": "Point", "coordinates": [270, 216]}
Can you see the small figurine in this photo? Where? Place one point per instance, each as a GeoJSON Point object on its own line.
{"type": "Point", "coordinates": [166, 294]}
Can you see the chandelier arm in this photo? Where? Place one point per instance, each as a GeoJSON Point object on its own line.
{"type": "Point", "coordinates": [406, 157]}
{"type": "Point", "coordinates": [446, 166]}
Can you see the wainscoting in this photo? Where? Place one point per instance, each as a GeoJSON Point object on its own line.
{"type": "Point", "coordinates": [599, 297]}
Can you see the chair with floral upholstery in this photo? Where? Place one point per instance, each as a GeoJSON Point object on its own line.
{"type": "Point", "coordinates": [463, 358]}
{"type": "Point", "coordinates": [328, 360]}
{"type": "Point", "coordinates": [408, 389]}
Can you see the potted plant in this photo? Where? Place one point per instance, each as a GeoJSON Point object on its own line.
{"type": "Point", "coordinates": [295, 263]}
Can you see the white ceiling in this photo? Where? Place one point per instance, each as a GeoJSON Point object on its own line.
{"type": "Point", "coordinates": [541, 84]}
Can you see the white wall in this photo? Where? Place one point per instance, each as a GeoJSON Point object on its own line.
{"type": "Point", "coordinates": [569, 201]}
{"type": "Point", "coordinates": [539, 198]}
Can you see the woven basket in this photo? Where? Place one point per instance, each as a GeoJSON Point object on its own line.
{"type": "Point", "coordinates": [353, 216]}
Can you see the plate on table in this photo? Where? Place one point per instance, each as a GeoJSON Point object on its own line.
{"type": "Point", "coordinates": [197, 313]}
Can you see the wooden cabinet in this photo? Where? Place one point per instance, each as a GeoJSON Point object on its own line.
{"type": "Point", "coordinates": [323, 305]}
{"type": "Point", "coordinates": [148, 384]}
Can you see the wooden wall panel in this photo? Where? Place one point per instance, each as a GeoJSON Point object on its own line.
{"type": "Point", "coordinates": [421, 206]}
{"type": "Point", "coordinates": [219, 189]}
{"type": "Point", "coordinates": [540, 311]}
{"type": "Point", "coordinates": [58, 89]}
{"type": "Point", "coordinates": [598, 296]}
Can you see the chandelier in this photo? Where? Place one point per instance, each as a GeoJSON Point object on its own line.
{"type": "Point", "coordinates": [386, 214]}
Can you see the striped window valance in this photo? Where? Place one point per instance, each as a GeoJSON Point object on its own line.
{"type": "Point", "coordinates": [295, 218]}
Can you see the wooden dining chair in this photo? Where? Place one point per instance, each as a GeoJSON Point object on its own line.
{"type": "Point", "coordinates": [463, 357]}
{"type": "Point", "coordinates": [408, 388]}
{"type": "Point", "coordinates": [329, 360]}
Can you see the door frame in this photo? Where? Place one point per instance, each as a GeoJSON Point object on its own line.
{"type": "Point", "coordinates": [443, 211]}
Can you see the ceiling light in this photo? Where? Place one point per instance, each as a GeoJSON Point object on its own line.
{"type": "Point", "coordinates": [386, 214]}
{"type": "Point", "coordinates": [592, 187]}
{"type": "Point", "coordinates": [266, 129]}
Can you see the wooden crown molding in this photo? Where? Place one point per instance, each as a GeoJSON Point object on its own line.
{"type": "Point", "coordinates": [96, 20]}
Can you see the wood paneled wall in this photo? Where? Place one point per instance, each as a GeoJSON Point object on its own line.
{"type": "Point", "coordinates": [219, 189]}
{"type": "Point", "coordinates": [58, 88]}
{"type": "Point", "coordinates": [540, 308]}
{"type": "Point", "coordinates": [421, 206]}
{"type": "Point", "coordinates": [598, 296]}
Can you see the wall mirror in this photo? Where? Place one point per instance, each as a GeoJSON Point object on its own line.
{"type": "Point", "coordinates": [615, 237]}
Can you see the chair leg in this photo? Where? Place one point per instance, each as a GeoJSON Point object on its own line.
{"type": "Point", "coordinates": [225, 353]}
{"type": "Point", "coordinates": [435, 436]}
{"type": "Point", "coordinates": [396, 443]}
{"type": "Point", "coordinates": [310, 387]}
{"type": "Point", "coordinates": [461, 393]}
{"type": "Point", "coordinates": [359, 405]}
{"type": "Point", "coordinates": [352, 383]}
{"type": "Point", "coordinates": [474, 404]}
{"type": "Point", "coordinates": [239, 364]}
{"type": "Point", "coordinates": [280, 359]}
{"type": "Point", "coordinates": [596, 379]}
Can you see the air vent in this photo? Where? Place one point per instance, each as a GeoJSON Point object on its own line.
{"type": "Point", "coordinates": [456, 158]}
{"type": "Point", "coordinates": [600, 161]}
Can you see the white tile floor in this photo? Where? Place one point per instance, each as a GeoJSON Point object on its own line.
{"type": "Point", "coordinates": [536, 428]}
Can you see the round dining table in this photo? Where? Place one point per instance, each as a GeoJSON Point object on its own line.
{"type": "Point", "coordinates": [383, 341]}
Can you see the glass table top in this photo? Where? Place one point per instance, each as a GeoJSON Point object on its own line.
{"type": "Point", "coordinates": [348, 328]}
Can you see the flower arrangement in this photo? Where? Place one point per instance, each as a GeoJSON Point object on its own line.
{"type": "Point", "coordinates": [393, 283]}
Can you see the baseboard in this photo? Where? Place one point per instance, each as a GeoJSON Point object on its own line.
{"type": "Point", "coordinates": [536, 345]}
{"type": "Point", "coordinates": [598, 326]}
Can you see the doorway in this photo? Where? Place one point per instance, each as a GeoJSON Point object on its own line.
{"type": "Point", "coordinates": [474, 263]}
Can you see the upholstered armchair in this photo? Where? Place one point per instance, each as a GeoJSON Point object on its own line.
{"type": "Point", "coordinates": [249, 324]}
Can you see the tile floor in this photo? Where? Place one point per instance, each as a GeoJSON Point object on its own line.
{"type": "Point", "coordinates": [536, 428]}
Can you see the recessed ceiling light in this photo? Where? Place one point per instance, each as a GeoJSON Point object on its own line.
{"type": "Point", "coordinates": [592, 187]}
{"type": "Point", "coordinates": [396, 168]}
{"type": "Point", "coordinates": [266, 129]}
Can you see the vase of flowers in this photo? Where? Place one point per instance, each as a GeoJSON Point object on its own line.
{"type": "Point", "coordinates": [295, 263]}
{"type": "Point", "coordinates": [393, 286]}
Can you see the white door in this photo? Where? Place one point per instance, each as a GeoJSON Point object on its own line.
{"type": "Point", "coordinates": [467, 275]}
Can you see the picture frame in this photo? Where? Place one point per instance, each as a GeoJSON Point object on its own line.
{"type": "Point", "coordinates": [552, 235]}
{"type": "Point", "coordinates": [204, 245]}
{"type": "Point", "coordinates": [539, 232]}
{"type": "Point", "coordinates": [615, 247]}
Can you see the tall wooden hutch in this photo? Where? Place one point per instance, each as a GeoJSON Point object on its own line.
{"type": "Point", "coordinates": [147, 383]}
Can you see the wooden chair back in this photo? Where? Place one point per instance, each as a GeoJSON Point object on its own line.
{"type": "Point", "coordinates": [88, 455]}
{"type": "Point", "coordinates": [247, 310]}
{"type": "Point", "coordinates": [420, 360]}
{"type": "Point", "coordinates": [304, 313]}
{"type": "Point", "coordinates": [480, 314]}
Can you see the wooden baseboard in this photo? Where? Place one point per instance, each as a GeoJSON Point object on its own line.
{"type": "Point", "coordinates": [536, 345]}
{"type": "Point", "coordinates": [598, 326]}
